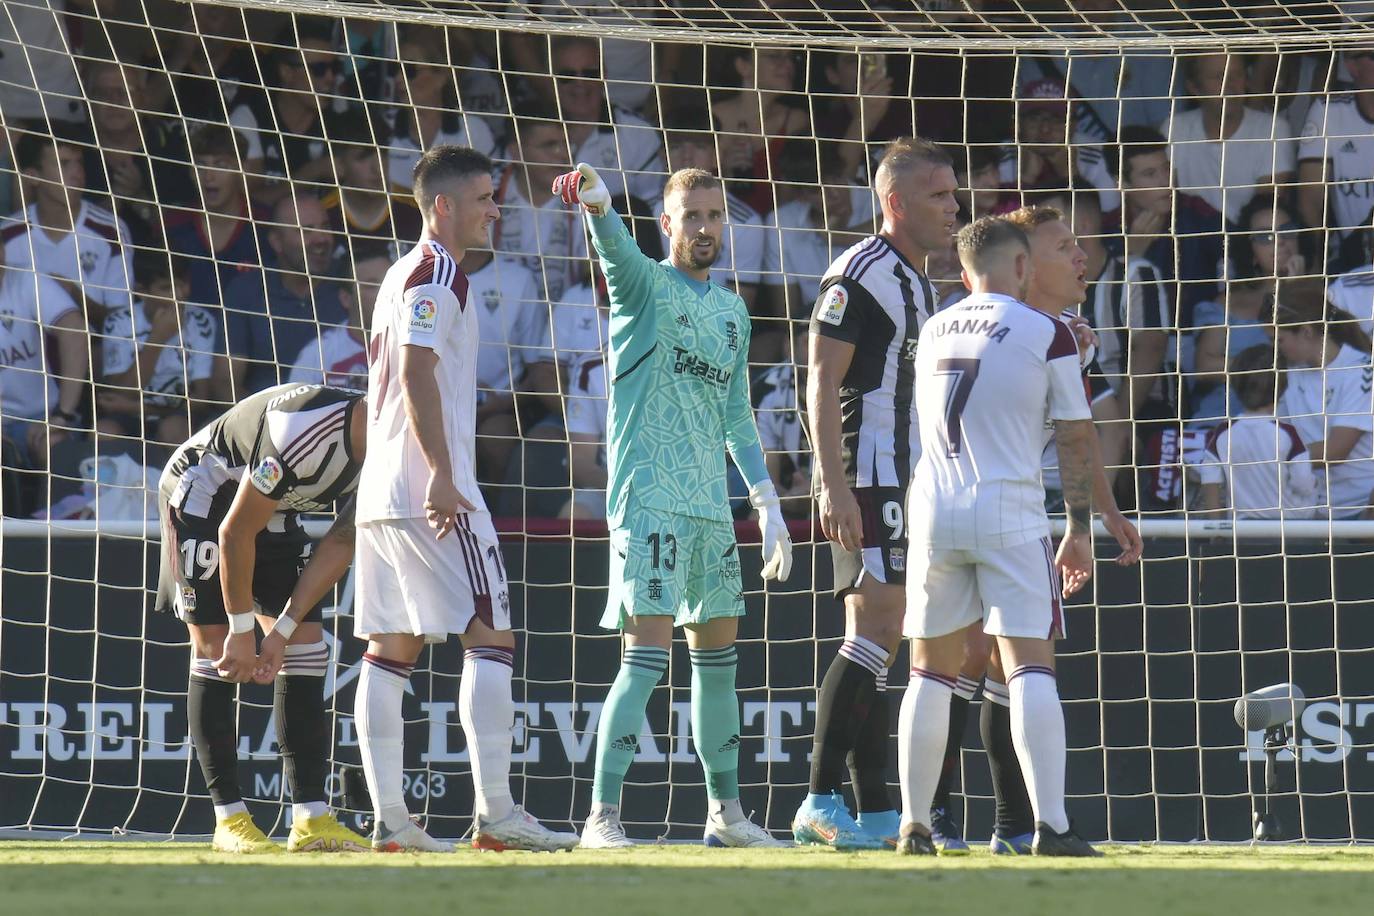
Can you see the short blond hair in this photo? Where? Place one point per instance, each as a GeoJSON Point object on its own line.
{"type": "Point", "coordinates": [685, 180]}
{"type": "Point", "coordinates": [1031, 218]}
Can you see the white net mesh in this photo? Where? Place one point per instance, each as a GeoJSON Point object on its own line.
{"type": "Point", "coordinates": [205, 195]}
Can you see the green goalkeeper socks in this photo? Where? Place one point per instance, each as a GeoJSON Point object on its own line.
{"type": "Point", "coordinates": [715, 719]}
{"type": "Point", "coordinates": [617, 737]}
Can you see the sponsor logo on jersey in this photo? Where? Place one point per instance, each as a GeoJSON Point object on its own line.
{"type": "Point", "coordinates": [87, 261]}
{"type": "Point", "coordinates": [422, 314]}
{"type": "Point", "coordinates": [188, 598]}
{"type": "Point", "coordinates": [732, 336]}
{"type": "Point", "coordinates": [683, 321]}
{"type": "Point", "coordinates": [896, 558]}
{"type": "Point", "coordinates": [1349, 147]}
{"type": "Point", "coordinates": [267, 475]}
{"type": "Point", "coordinates": [655, 589]}
{"type": "Point", "coordinates": [833, 305]}
{"type": "Point", "coordinates": [685, 363]}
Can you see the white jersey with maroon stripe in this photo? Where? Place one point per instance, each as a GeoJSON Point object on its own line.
{"type": "Point", "coordinates": [423, 302]}
{"type": "Point", "coordinates": [995, 373]}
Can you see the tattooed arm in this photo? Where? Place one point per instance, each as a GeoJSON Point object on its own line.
{"type": "Point", "coordinates": [1077, 470]}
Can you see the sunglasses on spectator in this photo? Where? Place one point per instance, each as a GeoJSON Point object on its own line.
{"type": "Point", "coordinates": [1268, 238]}
{"type": "Point", "coordinates": [586, 73]}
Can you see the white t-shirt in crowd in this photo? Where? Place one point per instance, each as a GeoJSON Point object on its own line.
{"type": "Point", "coordinates": [95, 254]}
{"type": "Point", "coordinates": [1336, 131]}
{"type": "Point", "coordinates": [1321, 399]}
{"type": "Point", "coordinates": [804, 251]}
{"type": "Point", "coordinates": [187, 356]}
{"type": "Point", "coordinates": [1353, 291]}
{"type": "Point", "coordinates": [404, 152]}
{"type": "Point", "coordinates": [1262, 466]}
{"type": "Point", "coordinates": [1226, 173]}
{"type": "Point", "coordinates": [628, 155]}
{"type": "Point", "coordinates": [580, 328]}
{"type": "Point", "coordinates": [512, 320]}
{"type": "Point", "coordinates": [548, 239]}
{"type": "Point", "coordinates": [28, 305]}
{"type": "Point", "coordinates": [337, 357]}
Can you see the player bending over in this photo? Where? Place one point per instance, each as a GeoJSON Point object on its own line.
{"type": "Point", "coordinates": [679, 397]}
{"type": "Point", "coordinates": [861, 387]}
{"type": "Point", "coordinates": [996, 372]}
{"type": "Point", "coordinates": [1056, 287]}
{"type": "Point", "coordinates": [233, 551]}
{"type": "Point", "coordinates": [428, 561]}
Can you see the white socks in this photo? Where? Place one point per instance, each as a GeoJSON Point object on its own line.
{"type": "Point", "coordinates": [726, 810]}
{"type": "Point", "coordinates": [1037, 730]}
{"type": "Point", "coordinates": [377, 714]}
{"type": "Point", "coordinates": [300, 813]}
{"type": "Point", "coordinates": [487, 712]}
{"type": "Point", "coordinates": [922, 730]}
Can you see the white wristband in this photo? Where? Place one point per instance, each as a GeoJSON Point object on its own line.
{"type": "Point", "coordinates": [241, 623]}
{"type": "Point", "coordinates": [285, 625]}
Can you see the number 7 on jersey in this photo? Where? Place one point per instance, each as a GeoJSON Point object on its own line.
{"type": "Point", "coordinates": [962, 373]}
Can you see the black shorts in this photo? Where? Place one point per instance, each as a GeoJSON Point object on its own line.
{"type": "Point", "coordinates": [192, 562]}
{"type": "Point", "coordinates": [883, 557]}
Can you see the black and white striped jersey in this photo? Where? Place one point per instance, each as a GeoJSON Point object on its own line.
{"type": "Point", "coordinates": [292, 441]}
{"type": "Point", "coordinates": [1130, 295]}
{"type": "Point", "coordinates": [873, 297]}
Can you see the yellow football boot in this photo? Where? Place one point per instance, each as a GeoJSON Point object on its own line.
{"type": "Point", "coordinates": [324, 833]}
{"type": "Point", "coordinates": [238, 833]}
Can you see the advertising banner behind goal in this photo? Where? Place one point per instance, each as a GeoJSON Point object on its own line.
{"type": "Point", "coordinates": [93, 720]}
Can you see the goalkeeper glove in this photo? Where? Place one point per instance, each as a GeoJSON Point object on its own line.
{"type": "Point", "coordinates": [583, 187]}
{"type": "Point", "coordinates": [777, 543]}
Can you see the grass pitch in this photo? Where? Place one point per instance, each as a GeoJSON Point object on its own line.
{"type": "Point", "coordinates": [142, 879]}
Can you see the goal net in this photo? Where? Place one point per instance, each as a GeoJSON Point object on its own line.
{"type": "Point", "coordinates": [202, 197]}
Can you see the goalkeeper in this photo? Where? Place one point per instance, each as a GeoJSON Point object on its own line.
{"type": "Point", "coordinates": [679, 397]}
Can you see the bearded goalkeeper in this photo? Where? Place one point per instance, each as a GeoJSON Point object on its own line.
{"type": "Point", "coordinates": [679, 398]}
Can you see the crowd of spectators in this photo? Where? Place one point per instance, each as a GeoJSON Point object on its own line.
{"type": "Point", "coordinates": [201, 211]}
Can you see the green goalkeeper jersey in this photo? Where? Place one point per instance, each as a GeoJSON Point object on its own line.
{"type": "Point", "coordinates": [679, 384]}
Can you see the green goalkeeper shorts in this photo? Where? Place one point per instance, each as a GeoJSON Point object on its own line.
{"type": "Point", "coordinates": [663, 563]}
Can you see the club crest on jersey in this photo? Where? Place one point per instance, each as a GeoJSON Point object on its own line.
{"type": "Point", "coordinates": [833, 305]}
{"type": "Point", "coordinates": [267, 475]}
{"type": "Point", "coordinates": [422, 314]}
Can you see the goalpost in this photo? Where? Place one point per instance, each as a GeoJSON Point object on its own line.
{"type": "Point", "coordinates": [92, 684]}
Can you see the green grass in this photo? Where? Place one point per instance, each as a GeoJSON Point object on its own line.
{"type": "Point", "coordinates": [183, 878]}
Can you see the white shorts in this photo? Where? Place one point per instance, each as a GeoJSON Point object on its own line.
{"type": "Point", "coordinates": [408, 582]}
{"type": "Point", "coordinates": [1014, 591]}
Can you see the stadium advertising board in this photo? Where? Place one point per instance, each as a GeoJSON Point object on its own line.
{"type": "Point", "coordinates": [93, 733]}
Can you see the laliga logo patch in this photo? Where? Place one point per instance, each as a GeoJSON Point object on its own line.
{"type": "Point", "coordinates": [833, 305]}
{"type": "Point", "coordinates": [422, 314]}
{"type": "Point", "coordinates": [267, 475]}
